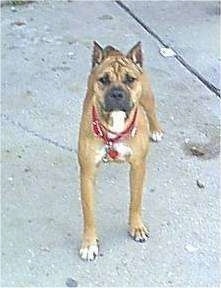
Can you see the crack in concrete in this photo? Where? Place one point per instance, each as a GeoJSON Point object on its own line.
{"type": "Point", "coordinates": [34, 133]}
{"type": "Point", "coordinates": [178, 57]}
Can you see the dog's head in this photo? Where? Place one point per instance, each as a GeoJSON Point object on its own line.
{"type": "Point", "coordinates": [115, 78]}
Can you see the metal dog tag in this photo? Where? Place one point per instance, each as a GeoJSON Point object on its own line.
{"type": "Point", "coordinates": [105, 158]}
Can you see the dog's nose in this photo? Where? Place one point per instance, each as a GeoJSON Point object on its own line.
{"type": "Point", "coordinates": [117, 94]}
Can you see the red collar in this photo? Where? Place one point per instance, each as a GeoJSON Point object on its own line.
{"type": "Point", "coordinates": [102, 132]}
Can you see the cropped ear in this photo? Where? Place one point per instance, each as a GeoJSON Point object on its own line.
{"type": "Point", "coordinates": [136, 55]}
{"type": "Point", "coordinates": [97, 54]}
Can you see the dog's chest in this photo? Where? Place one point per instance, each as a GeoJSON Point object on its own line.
{"type": "Point", "coordinates": [123, 151]}
{"type": "Point", "coordinates": [120, 150]}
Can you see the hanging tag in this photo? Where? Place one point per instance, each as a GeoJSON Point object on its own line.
{"type": "Point", "coordinates": [105, 158]}
{"type": "Point", "coordinates": [113, 154]}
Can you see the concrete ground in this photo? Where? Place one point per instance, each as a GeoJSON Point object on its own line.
{"type": "Point", "coordinates": [46, 54]}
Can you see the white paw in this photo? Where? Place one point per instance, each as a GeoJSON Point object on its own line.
{"type": "Point", "coordinates": [89, 253]}
{"type": "Point", "coordinates": [156, 136]}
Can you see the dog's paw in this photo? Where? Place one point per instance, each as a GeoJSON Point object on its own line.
{"type": "Point", "coordinates": [89, 252]}
{"type": "Point", "coordinates": [156, 136]}
{"type": "Point", "coordinates": [140, 233]}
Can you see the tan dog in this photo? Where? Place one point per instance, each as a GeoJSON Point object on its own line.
{"type": "Point", "coordinates": [114, 127]}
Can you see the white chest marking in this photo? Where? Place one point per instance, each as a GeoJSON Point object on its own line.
{"type": "Point", "coordinates": [123, 150]}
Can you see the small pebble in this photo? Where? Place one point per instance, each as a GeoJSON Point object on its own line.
{"type": "Point", "coordinates": [106, 17]}
{"type": "Point", "coordinates": [167, 52]}
{"type": "Point", "coordinates": [70, 53]}
{"type": "Point", "coordinates": [13, 9]}
{"type": "Point", "coordinates": [47, 40]}
{"type": "Point", "coordinates": [197, 151]}
{"type": "Point", "coordinates": [44, 249]}
{"type": "Point", "coordinates": [200, 184]}
{"type": "Point", "coordinates": [18, 23]}
{"type": "Point", "coordinates": [71, 282]}
{"type": "Point", "coordinates": [190, 248]}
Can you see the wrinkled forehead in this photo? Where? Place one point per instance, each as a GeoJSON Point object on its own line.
{"type": "Point", "coordinates": [118, 67]}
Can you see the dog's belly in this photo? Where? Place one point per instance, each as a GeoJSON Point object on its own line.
{"type": "Point", "coordinates": [123, 152]}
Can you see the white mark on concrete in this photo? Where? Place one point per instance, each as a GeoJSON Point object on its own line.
{"type": "Point", "coordinates": [167, 52]}
{"type": "Point", "coordinates": [190, 248]}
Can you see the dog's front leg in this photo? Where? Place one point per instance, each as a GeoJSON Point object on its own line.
{"type": "Point", "coordinates": [89, 248]}
{"type": "Point", "coordinates": [137, 174]}
{"type": "Point", "coordinates": [148, 102]}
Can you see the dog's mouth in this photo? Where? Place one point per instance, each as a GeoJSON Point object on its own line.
{"type": "Point", "coordinates": [117, 99]}
{"type": "Point", "coordinates": [124, 107]}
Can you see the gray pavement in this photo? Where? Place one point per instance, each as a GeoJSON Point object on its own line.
{"type": "Point", "coordinates": [191, 28]}
{"type": "Point", "coordinates": [46, 53]}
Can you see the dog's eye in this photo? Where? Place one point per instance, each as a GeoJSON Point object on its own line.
{"type": "Point", "coordinates": [104, 80]}
{"type": "Point", "coordinates": [129, 79]}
